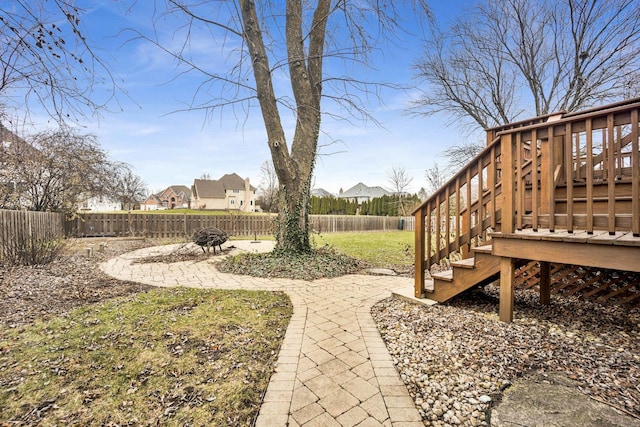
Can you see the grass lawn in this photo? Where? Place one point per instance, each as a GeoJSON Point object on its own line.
{"type": "Point", "coordinates": [379, 248]}
{"type": "Point", "coordinates": [166, 357]}
{"type": "Point", "coordinates": [383, 249]}
{"type": "Point", "coordinates": [171, 356]}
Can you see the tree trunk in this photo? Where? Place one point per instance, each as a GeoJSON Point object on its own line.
{"type": "Point", "coordinates": [292, 231]}
{"type": "Point", "coordinates": [294, 168]}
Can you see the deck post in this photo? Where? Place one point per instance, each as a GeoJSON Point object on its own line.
{"type": "Point", "coordinates": [507, 265]}
{"type": "Point", "coordinates": [507, 275]}
{"type": "Point", "coordinates": [508, 189]}
{"type": "Point", "coordinates": [545, 282]}
{"type": "Point", "coordinates": [419, 233]}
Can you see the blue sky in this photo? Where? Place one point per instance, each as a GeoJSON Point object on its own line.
{"type": "Point", "coordinates": [168, 148]}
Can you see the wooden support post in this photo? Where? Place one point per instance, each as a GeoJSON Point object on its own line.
{"type": "Point", "coordinates": [545, 282]}
{"type": "Point", "coordinates": [507, 275]}
{"type": "Point", "coordinates": [508, 189]}
{"type": "Point", "coordinates": [419, 233]}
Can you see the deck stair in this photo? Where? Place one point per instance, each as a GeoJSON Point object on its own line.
{"type": "Point", "coordinates": [479, 269]}
{"type": "Point", "coordinates": [563, 188]}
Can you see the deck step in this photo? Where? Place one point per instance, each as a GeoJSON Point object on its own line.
{"type": "Point", "coordinates": [464, 263]}
{"type": "Point", "coordinates": [486, 249]}
{"type": "Point", "coordinates": [467, 273]}
{"type": "Point", "coordinates": [446, 276]}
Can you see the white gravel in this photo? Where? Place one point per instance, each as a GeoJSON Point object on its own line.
{"type": "Point", "coordinates": [456, 359]}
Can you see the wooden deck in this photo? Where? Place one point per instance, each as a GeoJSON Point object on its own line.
{"type": "Point", "coordinates": [618, 251]}
{"type": "Point", "coordinates": [562, 188]}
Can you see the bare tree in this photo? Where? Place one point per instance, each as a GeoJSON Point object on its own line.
{"type": "Point", "coordinates": [436, 178]}
{"type": "Point", "coordinates": [506, 58]}
{"type": "Point", "coordinates": [129, 189]}
{"type": "Point", "coordinates": [46, 59]}
{"type": "Point", "coordinates": [422, 194]}
{"type": "Point", "coordinates": [268, 188]}
{"type": "Point", "coordinates": [54, 171]}
{"type": "Point", "coordinates": [274, 42]}
{"type": "Point", "coordinates": [400, 182]}
{"type": "Point", "coordinates": [460, 154]}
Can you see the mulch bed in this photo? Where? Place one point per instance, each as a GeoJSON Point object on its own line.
{"type": "Point", "coordinates": [30, 293]}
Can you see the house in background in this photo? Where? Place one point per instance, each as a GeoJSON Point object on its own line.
{"type": "Point", "coordinates": [173, 197]}
{"type": "Point", "coordinates": [230, 192]}
{"type": "Point", "coordinates": [11, 185]}
{"type": "Point", "coordinates": [362, 193]}
{"type": "Point", "coordinates": [320, 192]}
{"type": "Point", "coordinates": [99, 204]}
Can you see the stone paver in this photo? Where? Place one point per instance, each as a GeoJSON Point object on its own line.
{"type": "Point", "coordinates": [333, 368]}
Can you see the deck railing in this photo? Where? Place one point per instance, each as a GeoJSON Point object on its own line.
{"type": "Point", "coordinates": [562, 171]}
{"type": "Point", "coordinates": [588, 173]}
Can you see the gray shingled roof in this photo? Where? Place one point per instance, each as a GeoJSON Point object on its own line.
{"type": "Point", "coordinates": [320, 192]}
{"type": "Point", "coordinates": [360, 191]}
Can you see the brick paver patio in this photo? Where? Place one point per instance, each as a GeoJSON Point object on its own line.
{"type": "Point", "coordinates": [333, 368]}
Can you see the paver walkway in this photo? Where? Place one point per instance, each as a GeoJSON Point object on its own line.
{"type": "Point", "coordinates": [333, 368]}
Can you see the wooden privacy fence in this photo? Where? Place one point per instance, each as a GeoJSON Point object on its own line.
{"type": "Point", "coordinates": [165, 225]}
{"type": "Point", "coordinates": [176, 225]}
{"type": "Point", "coordinates": [346, 223]}
{"type": "Point", "coordinates": [24, 231]}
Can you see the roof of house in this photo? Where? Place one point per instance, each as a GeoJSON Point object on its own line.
{"type": "Point", "coordinates": [14, 143]}
{"type": "Point", "coordinates": [212, 189]}
{"type": "Point", "coordinates": [232, 181]}
{"type": "Point", "coordinates": [6, 135]}
{"type": "Point", "coordinates": [361, 191]}
{"type": "Point", "coordinates": [320, 192]}
{"type": "Point", "coordinates": [208, 188]}
{"type": "Point", "coordinates": [177, 189]}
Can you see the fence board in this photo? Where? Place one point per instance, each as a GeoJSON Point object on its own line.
{"type": "Point", "coordinates": [23, 232]}
{"type": "Point", "coordinates": [176, 225]}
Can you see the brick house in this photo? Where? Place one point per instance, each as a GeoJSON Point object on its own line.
{"type": "Point", "coordinates": [173, 197]}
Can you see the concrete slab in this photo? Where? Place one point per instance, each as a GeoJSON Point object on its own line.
{"type": "Point", "coordinates": [407, 293]}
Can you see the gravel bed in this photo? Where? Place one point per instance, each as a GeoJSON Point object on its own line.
{"type": "Point", "coordinates": [456, 359]}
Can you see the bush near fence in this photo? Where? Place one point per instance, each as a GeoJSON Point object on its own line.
{"type": "Point", "coordinates": [184, 225]}
{"type": "Point", "coordinates": [30, 237]}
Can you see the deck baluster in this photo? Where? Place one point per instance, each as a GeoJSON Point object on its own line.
{"type": "Point", "coordinates": [589, 175]}
{"type": "Point", "coordinates": [635, 175]}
